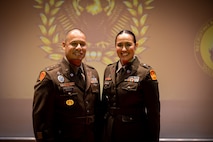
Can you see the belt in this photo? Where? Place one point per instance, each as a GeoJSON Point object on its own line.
{"type": "Point", "coordinates": [85, 119]}
{"type": "Point", "coordinates": [114, 111]}
{"type": "Point", "coordinates": [124, 115]}
{"type": "Point", "coordinates": [117, 111]}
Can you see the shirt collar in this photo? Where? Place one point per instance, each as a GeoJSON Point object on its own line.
{"type": "Point", "coordinates": [75, 68]}
{"type": "Point", "coordinates": [120, 65]}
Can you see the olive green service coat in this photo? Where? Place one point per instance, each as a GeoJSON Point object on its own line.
{"type": "Point", "coordinates": [132, 104]}
{"type": "Point", "coordinates": [63, 111]}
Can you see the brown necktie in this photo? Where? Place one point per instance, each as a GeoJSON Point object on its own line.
{"type": "Point", "coordinates": [81, 80]}
{"type": "Point", "coordinates": [120, 74]}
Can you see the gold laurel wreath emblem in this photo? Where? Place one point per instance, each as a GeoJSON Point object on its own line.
{"type": "Point", "coordinates": [50, 36]}
{"type": "Point", "coordinates": [139, 28]}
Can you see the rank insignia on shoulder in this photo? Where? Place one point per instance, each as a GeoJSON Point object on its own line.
{"type": "Point", "coordinates": [153, 75]}
{"type": "Point", "coordinates": [146, 66]}
{"type": "Point", "coordinates": [42, 75]}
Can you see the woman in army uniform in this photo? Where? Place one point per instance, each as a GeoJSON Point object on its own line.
{"type": "Point", "coordinates": [130, 96]}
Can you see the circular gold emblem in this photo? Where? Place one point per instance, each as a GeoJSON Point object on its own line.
{"type": "Point", "coordinates": [204, 48]}
{"type": "Point", "coordinates": [69, 102]}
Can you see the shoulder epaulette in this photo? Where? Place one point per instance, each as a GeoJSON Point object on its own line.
{"type": "Point", "coordinates": [49, 68]}
{"type": "Point", "coordinates": [152, 74]}
{"type": "Point", "coordinates": [110, 64]}
{"type": "Point", "coordinates": [145, 66]}
{"type": "Point", "coordinates": [89, 66]}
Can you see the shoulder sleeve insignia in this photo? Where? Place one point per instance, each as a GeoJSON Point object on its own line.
{"type": "Point", "coordinates": [42, 75]}
{"type": "Point", "coordinates": [153, 75]}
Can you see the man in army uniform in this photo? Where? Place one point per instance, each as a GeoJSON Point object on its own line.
{"type": "Point", "coordinates": [66, 96]}
{"type": "Point", "coordinates": [130, 96]}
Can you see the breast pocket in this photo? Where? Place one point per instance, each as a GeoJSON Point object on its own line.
{"type": "Point", "coordinates": [130, 86]}
{"type": "Point", "coordinates": [107, 85]}
{"type": "Point", "coordinates": [67, 97]}
{"type": "Point", "coordinates": [95, 87]}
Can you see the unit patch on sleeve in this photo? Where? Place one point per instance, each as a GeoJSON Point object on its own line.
{"type": "Point", "coordinates": [42, 75]}
{"type": "Point", "coordinates": [153, 75]}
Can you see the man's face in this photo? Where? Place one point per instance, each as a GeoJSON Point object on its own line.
{"type": "Point", "coordinates": [75, 47]}
{"type": "Point", "coordinates": [125, 47]}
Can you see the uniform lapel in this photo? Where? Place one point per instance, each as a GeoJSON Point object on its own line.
{"type": "Point", "coordinates": [123, 75]}
{"type": "Point", "coordinates": [71, 75]}
{"type": "Point", "coordinates": [66, 71]}
{"type": "Point", "coordinates": [88, 76]}
{"type": "Point", "coordinates": [112, 72]}
{"type": "Point", "coordinates": [129, 71]}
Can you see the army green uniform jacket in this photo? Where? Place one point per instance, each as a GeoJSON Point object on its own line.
{"type": "Point", "coordinates": [63, 111]}
{"type": "Point", "coordinates": [131, 103]}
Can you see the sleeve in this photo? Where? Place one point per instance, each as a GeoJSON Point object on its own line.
{"type": "Point", "coordinates": [43, 109]}
{"type": "Point", "coordinates": [98, 111]}
{"type": "Point", "coordinates": [100, 119]}
{"type": "Point", "coordinates": [152, 102]}
{"type": "Point", "coordinates": [104, 99]}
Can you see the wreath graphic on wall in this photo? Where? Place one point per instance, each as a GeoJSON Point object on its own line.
{"type": "Point", "coordinates": [100, 20]}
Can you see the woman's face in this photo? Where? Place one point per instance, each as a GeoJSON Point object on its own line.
{"type": "Point", "coordinates": [125, 47]}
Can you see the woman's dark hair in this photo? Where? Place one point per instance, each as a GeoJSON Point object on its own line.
{"type": "Point", "coordinates": [128, 32]}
